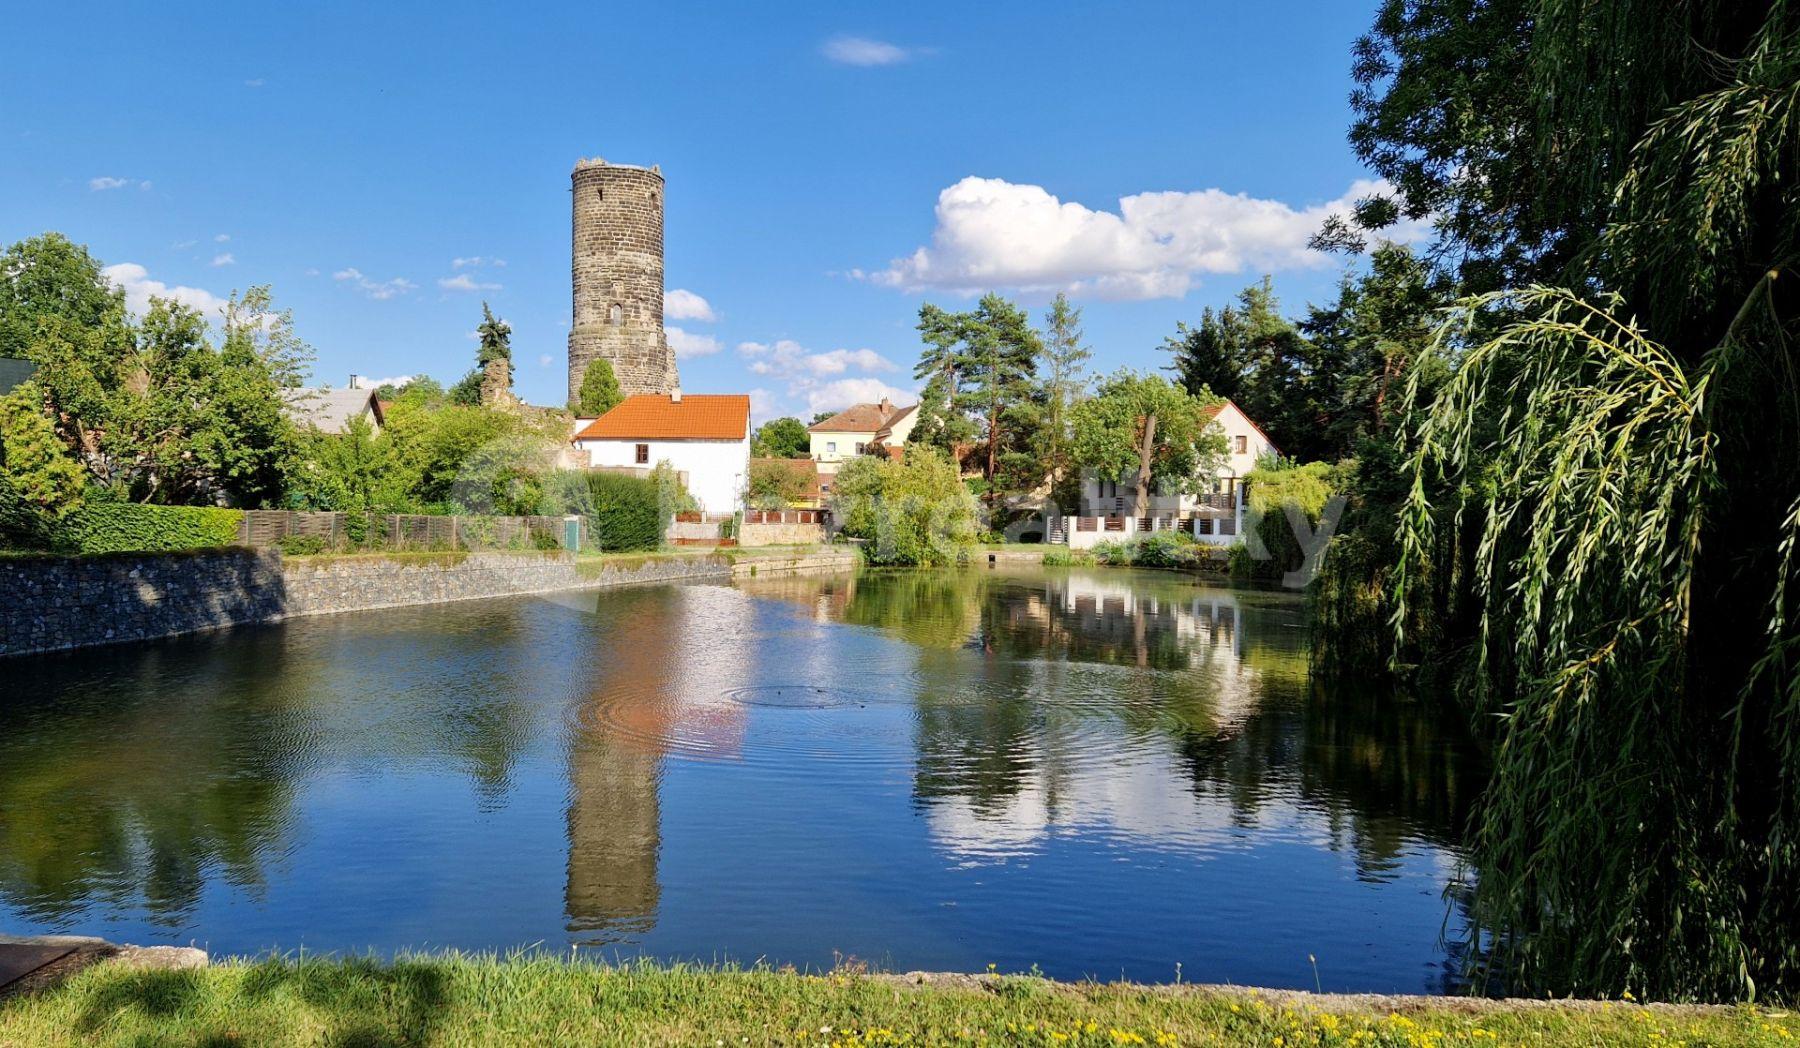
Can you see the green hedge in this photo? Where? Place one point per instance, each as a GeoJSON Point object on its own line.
{"type": "Point", "coordinates": [23, 526]}
{"type": "Point", "coordinates": [125, 527]}
{"type": "Point", "coordinates": [624, 512]}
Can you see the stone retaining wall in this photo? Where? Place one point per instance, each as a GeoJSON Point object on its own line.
{"type": "Point", "coordinates": [56, 603]}
{"type": "Point", "coordinates": [52, 603]}
{"type": "Point", "coordinates": [781, 534]}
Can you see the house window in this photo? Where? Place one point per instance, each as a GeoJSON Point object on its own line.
{"type": "Point", "coordinates": [643, 454]}
{"type": "Point", "coordinates": [860, 447]}
{"type": "Point", "coordinates": [1243, 444]}
{"type": "Point", "coordinates": [831, 447]}
{"type": "Point", "coordinates": [1203, 526]}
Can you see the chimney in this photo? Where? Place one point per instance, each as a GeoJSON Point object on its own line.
{"type": "Point", "coordinates": [356, 381]}
{"type": "Point", "coordinates": [675, 395]}
{"type": "Point", "coordinates": [887, 407]}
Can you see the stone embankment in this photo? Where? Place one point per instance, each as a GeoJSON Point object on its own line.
{"type": "Point", "coordinates": [58, 603]}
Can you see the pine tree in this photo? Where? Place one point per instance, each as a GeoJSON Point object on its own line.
{"type": "Point", "coordinates": [1065, 381]}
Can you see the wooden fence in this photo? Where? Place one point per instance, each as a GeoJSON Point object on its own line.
{"type": "Point", "coordinates": [403, 530]}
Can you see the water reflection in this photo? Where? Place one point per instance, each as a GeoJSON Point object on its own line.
{"type": "Point", "coordinates": [1068, 702]}
{"type": "Point", "coordinates": [1096, 771]}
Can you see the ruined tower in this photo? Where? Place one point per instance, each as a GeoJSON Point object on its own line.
{"type": "Point", "coordinates": [617, 270]}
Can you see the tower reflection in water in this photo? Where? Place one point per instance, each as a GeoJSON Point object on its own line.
{"type": "Point", "coordinates": [657, 694]}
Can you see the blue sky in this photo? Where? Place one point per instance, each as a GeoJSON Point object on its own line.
{"type": "Point", "coordinates": [830, 166]}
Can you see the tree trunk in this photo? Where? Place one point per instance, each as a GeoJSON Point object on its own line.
{"type": "Point", "coordinates": [992, 450]}
{"type": "Point", "coordinates": [1388, 369]}
{"type": "Point", "coordinates": [1143, 476]}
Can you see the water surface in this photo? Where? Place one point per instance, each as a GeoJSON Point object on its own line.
{"type": "Point", "coordinates": [1102, 773]}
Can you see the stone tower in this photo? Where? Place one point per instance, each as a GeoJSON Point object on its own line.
{"type": "Point", "coordinates": [617, 268]}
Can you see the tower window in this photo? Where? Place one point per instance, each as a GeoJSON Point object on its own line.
{"type": "Point", "coordinates": [599, 192]}
{"type": "Point", "coordinates": [615, 315]}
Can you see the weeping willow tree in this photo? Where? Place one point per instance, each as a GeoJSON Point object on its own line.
{"type": "Point", "coordinates": [1601, 505]}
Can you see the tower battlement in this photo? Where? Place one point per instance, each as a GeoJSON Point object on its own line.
{"type": "Point", "coordinates": [617, 276]}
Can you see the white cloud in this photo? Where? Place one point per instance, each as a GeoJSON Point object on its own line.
{"type": "Point", "coordinates": [257, 82]}
{"type": "Point", "coordinates": [221, 238]}
{"type": "Point", "coordinates": [688, 345]}
{"type": "Point", "coordinates": [838, 395]}
{"type": "Point", "coordinates": [225, 258]}
{"type": "Point", "coordinates": [365, 382]}
{"type": "Point", "coordinates": [183, 245]}
{"type": "Point", "coordinates": [105, 182]}
{"type": "Point", "coordinates": [466, 261]}
{"type": "Point", "coordinates": [810, 376]}
{"type": "Point", "coordinates": [789, 359]}
{"type": "Point", "coordinates": [862, 51]}
{"type": "Point", "coordinates": [463, 282]}
{"type": "Point", "coordinates": [139, 289]}
{"type": "Point", "coordinates": [763, 406]}
{"type": "Point", "coordinates": [312, 271]}
{"type": "Point", "coordinates": [997, 234]}
{"type": "Point", "coordinates": [682, 304]}
{"type": "Point", "coordinates": [543, 360]}
{"type": "Point", "coordinates": [379, 290]}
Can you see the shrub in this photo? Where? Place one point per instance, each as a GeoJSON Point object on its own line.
{"type": "Point", "coordinates": [23, 524]}
{"type": "Point", "coordinates": [1063, 557]}
{"type": "Point", "coordinates": [1165, 549]}
{"type": "Point", "coordinates": [302, 545]}
{"type": "Point", "coordinates": [624, 512]}
{"type": "Point", "coordinates": [913, 512]}
{"type": "Point", "coordinates": [128, 527]}
{"type": "Point", "coordinates": [1114, 552]}
{"type": "Point", "coordinates": [1271, 488]}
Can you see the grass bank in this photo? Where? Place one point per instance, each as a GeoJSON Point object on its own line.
{"type": "Point", "coordinates": [464, 1000]}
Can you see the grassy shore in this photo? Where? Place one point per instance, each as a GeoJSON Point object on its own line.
{"type": "Point", "coordinates": [455, 1000]}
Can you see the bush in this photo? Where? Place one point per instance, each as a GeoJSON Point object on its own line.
{"type": "Point", "coordinates": [624, 512]}
{"type": "Point", "coordinates": [1166, 549]}
{"type": "Point", "coordinates": [23, 524]}
{"type": "Point", "coordinates": [914, 512]}
{"type": "Point", "coordinates": [1064, 557]}
{"type": "Point", "coordinates": [1271, 488]}
{"type": "Point", "coordinates": [128, 527]}
{"type": "Point", "coordinates": [1162, 549]}
{"type": "Point", "coordinates": [302, 545]}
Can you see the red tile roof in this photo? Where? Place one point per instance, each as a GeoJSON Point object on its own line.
{"type": "Point", "coordinates": [658, 416]}
{"type": "Point", "coordinates": [861, 418]}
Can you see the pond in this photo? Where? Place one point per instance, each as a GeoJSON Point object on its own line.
{"type": "Point", "coordinates": [1101, 773]}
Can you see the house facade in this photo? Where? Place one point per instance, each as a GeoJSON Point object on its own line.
{"type": "Point", "coordinates": [705, 437]}
{"type": "Point", "coordinates": [1109, 507]}
{"type": "Point", "coordinates": [858, 430]}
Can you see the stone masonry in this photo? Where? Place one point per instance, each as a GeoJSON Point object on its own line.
{"type": "Point", "coordinates": [617, 275]}
{"type": "Point", "coordinates": [54, 603]}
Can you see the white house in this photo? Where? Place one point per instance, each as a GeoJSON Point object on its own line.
{"type": "Point", "coordinates": [704, 436]}
{"type": "Point", "coordinates": [857, 430]}
{"type": "Point", "coordinates": [1215, 515]}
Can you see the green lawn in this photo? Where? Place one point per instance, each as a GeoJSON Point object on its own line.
{"type": "Point", "coordinates": [461, 1001]}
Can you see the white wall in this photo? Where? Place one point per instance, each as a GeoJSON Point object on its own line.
{"type": "Point", "coordinates": [1235, 425]}
{"type": "Point", "coordinates": [717, 469]}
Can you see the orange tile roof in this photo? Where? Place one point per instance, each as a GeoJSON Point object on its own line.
{"type": "Point", "coordinates": [861, 418]}
{"type": "Point", "coordinates": [658, 416]}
